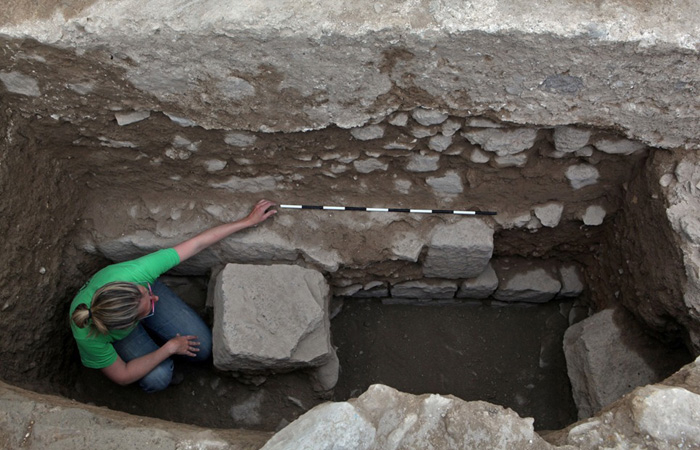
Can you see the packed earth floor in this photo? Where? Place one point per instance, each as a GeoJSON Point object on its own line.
{"type": "Point", "coordinates": [510, 355]}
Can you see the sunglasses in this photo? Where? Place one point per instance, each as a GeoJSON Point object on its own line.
{"type": "Point", "coordinates": [153, 303]}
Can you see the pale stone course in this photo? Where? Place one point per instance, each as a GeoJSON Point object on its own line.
{"type": "Point", "coordinates": [424, 289]}
{"type": "Point", "coordinates": [480, 287]}
{"type": "Point", "coordinates": [533, 285]}
{"type": "Point", "coordinates": [450, 183]}
{"type": "Point", "coordinates": [459, 250]}
{"type": "Point", "coordinates": [368, 133]}
{"type": "Point", "coordinates": [423, 163]}
{"type": "Point", "coordinates": [369, 165]}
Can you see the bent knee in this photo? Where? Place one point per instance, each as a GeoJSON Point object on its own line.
{"type": "Point", "coordinates": [159, 378]}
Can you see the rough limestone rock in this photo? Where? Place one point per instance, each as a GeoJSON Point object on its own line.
{"type": "Point", "coordinates": [528, 283]}
{"type": "Point", "coordinates": [608, 355]}
{"type": "Point", "coordinates": [684, 202]}
{"type": "Point", "coordinates": [582, 175]}
{"type": "Point", "coordinates": [480, 287]}
{"type": "Point", "coordinates": [503, 142]}
{"type": "Point", "coordinates": [36, 422]}
{"type": "Point", "coordinates": [270, 318]}
{"type": "Point", "coordinates": [459, 250]}
{"type": "Point", "coordinates": [549, 214]}
{"type": "Point", "coordinates": [594, 215]}
{"type": "Point", "coordinates": [384, 418]}
{"type": "Point", "coordinates": [662, 416]}
{"type": "Point", "coordinates": [570, 139]}
{"type": "Point", "coordinates": [424, 289]}
{"type": "Point", "coordinates": [571, 281]}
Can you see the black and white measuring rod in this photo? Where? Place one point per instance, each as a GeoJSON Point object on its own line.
{"type": "Point", "coordinates": [397, 210]}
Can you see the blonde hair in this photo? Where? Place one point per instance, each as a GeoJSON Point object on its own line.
{"type": "Point", "coordinates": [115, 306]}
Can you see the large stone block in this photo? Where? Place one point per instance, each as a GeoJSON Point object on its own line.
{"type": "Point", "coordinates": [270, 318]}
{"type": "Point", "coordinates": [459, 250]}
{"type": "Point", "coordinates": [608, 355]}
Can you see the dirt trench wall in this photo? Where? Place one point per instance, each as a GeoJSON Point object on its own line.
{"type": "Point", "coordinates": [40, 207]}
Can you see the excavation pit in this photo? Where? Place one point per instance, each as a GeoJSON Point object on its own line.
{"type": "Point", "coordinates": [125, 130]}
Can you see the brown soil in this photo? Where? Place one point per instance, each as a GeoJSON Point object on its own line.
{"type": "Point", "coordinates": [505, 354]}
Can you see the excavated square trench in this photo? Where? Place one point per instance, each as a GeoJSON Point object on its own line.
{"type": "Point", "coordinates": [508, 354]}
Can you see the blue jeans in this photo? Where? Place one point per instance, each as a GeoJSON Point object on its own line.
{"type": "Point", "coordinates": [172, 316]}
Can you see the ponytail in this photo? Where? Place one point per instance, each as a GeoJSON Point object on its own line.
{"type": "Point", "coordinates": [115, 306]}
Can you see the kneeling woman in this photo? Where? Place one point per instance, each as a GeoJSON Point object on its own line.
{"type": "Point", "coordinates": [110, 314]}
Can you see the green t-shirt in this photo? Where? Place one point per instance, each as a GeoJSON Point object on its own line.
{"type": "Point", "coordinates": [96, 351]}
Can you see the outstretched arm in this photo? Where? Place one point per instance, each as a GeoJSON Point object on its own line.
{"type": "Point", "coordinates": [261, 211]}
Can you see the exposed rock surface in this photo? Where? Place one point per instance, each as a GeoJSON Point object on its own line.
{"type": "Point", "coordinates": [608, 355]}
{"type": "Point", "coordinates": [663, 416]}
{"type": "Point", "coordinates": [270, 318]}
{"type": "Point", "coordinates": [459, 250]}
{"type": "Point", "coordinates": [526, 281]}
{"type": "Point", "coordinates": [383, 418]}
{"type": "Point", "coordinates": [34, 421]}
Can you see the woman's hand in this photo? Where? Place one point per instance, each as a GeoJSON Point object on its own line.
{"type": "Point", "coordinates": [183, 345]}
{"type": "Point", "coordinates": [261, 211]}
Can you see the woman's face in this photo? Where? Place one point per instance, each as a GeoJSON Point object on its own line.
{"type": "Point", "coordinates": [147, 302]}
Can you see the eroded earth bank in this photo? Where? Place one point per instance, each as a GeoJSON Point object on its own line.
{"type": "Point", "coordinates": [127, 127]}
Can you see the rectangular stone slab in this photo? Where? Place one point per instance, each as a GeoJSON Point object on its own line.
{"type": "Point", "coordinates": [270, 318]}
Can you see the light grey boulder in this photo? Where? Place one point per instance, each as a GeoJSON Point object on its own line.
{"type": "Point", "coordinates": [503, 142]}
{"type": "Point", "coordinates": [128, 118]}
{"type": "Point", "coordinates": [594, 215]}
{"type": "Point", "coordinates": [459, 250]}
{"type": "Point", "coordinates": [582, 175]}
{"type": "Point", "coordinates": [428, 117]}
{"type": "Point", "coordinates": [571, 281]}
{"type": "Point", "coordinates": [549, 214]}
{"type": "Point", "coordinates": [570, 139]}
{"type": "Point", "coordinates": [525, 284]}
{"type": "Point", "coordinates": [369, 165]}
{"type": "Point", "coordinates": [240, 139]}
{"type": "Point", "coordinates": [661, 416]}
{"type": "Point", "coordinates": [19, 83]}
{"type": "Point", "coordinates": [424, 289]}
{"type": "Point", "coordinates": [450, 183]}
{"type": "Point", "coordinates": [270, 318]}
{"type": "Point", "coordinates": [608, 355]}
{"type": "Point", "coordinates": [480, 287]}
{"type": "Point", "coordinates": [423, 163]}
{"type": "Point", "coordinates": [384, 418]}
{"type": "Point", "coordinates": [440, 142]}
{"type": "Point", "coordinates": [368, 133]}
{"type": "Point", "coordinates": [618, 146]}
